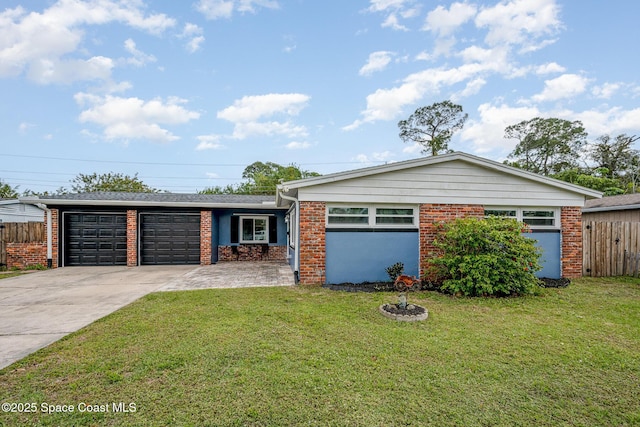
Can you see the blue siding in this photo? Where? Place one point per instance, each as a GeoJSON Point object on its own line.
{"type": "Point", "coordinates": [224, 224]}
{"type": "Point", "coordinates": [215, 236]}
{"type": "Point", "coordinates": [363, 256]}
{"type": "Point", "coordinates": [550, 259]}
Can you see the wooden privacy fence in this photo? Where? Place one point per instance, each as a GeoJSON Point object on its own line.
{"type": "Point", "coordinates": [610, 248]}
{"type": "Point", "coordinates": [19, 232]}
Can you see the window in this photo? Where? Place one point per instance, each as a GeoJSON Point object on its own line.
{"type": "Point", "coordinates": [254, 229]}
{"type": "Point", "coordinates": [338, 215]}
{"type": "Point", "coordinates": [394, 216]}
{"type": "Point", "coordinates": [371, 216]}
{"type": "Point", "coordinates": [534, 217]}
{"type": "Point", "coordinates": [539, 217]}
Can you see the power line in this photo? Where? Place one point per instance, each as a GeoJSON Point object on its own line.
{"type": "Point", "coordinates": [167, 163]}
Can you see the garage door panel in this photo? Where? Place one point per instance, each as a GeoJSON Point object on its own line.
{"type": "Point", "coordinates": [95, 239]}
{"type": "Point", "coordinates": [171, 238]}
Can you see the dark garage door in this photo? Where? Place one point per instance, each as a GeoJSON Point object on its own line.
{"type": "Point", "coordinates": [95, 239]}
{"type": "Point", "coordinates": [170, 239]}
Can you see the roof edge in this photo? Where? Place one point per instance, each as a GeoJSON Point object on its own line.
{"type": "Point", "coordinates": [146, 203]}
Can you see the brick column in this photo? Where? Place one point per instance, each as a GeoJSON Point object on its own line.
{"type": "Point", "coordinates": [312, 243]}
{"type": "Point", "coordinates": [205, 237]}
{"type": "Point", "coordinates": [571, 256]}
{"type": "Point", "coordinates": [132, 238]}
{"type": "Point", "coordinates": [430, 216]}
{"type": "Point", "coordinates": [54, 236]}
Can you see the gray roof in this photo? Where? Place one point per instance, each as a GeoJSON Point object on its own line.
{"type": "Point", "coordinates": [613, 203]}
{"type": "Point", "coordinates": [107, 198]}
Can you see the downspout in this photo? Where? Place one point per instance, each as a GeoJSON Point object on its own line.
{"type": "Point", "coordinates": [296, 250]}
{"type": "Point", "coordinates": [49, 237]}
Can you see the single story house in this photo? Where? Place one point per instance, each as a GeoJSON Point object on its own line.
{"type": "Point", "coordinates": [13, 210]}
{"type": "Point", "coordinates": [349, 226]}
{"type": "Point", "coordinates": [342, 227]}
{"type": "Point", "coordinates": [116, 228]}
{"type": "Point", "coordinates": [625, 208]}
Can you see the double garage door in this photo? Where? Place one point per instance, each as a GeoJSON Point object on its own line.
{"type": "Point", "coordinates": [94, 238]}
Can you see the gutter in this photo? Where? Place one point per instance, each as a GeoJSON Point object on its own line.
{"type": "Point", "coordinates": [144, 203]}
{"type": "Point", "coordinates": [296, 250]}
{"type": "Point", "coordinates": [49, 237]}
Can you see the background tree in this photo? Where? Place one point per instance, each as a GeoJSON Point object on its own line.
{"type": "Point", "coordinates": [433, 126]}
{"type": "Point", "coordinates": [109, 182]}
{"type": "Point", "coordinates": [617, 157]}
{"type": "Point", "coordinates": [262, 178]}
{"type": "Point", "coordinates": [546, 146]}
{"type": "Point", "coordinates": [7, 191]}
{"type": "Point", "coordinates": [597, 179]}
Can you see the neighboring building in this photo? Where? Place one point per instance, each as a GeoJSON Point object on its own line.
{"type": "Point", "coordinates": [113, 228]}
{"type": "Point", "coordinates": [13, 210]}
{"type": "Point", "coordinates": [350, 226]}
{"type": "Point", "coordinates": [625, 208]}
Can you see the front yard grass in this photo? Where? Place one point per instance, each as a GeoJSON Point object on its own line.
{"type": "Point", "coordinates": [310, 356]}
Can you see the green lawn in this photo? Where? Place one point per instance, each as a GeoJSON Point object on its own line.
{"type": "Point", "coordinates": [309, 356]}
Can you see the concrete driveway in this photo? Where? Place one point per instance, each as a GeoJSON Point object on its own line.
{"type": "Point", "coordinates": [39, 308]}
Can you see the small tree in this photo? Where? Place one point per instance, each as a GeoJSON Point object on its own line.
{"type": "Point", "coordinates": [433, 126]}
{"type": "Point", "coordinates": [482, 257]}
{"type": "Point", "coordinates": [7, 191]}
{"type": "Point", "coordinates": [109, 182]}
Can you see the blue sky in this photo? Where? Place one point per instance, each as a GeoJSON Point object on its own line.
{"type": "Point", "coordinates": [187, 93]}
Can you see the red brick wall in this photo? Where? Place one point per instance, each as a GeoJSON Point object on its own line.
{"type": "Point", "coordinates": [571, 223]}
{"type": "Point", "coordinates": [430, 215]}
{"type": "Point", "coordinates": [22, 255]}
{"type": "Point", "coordinates": [248, 252]}
{"type": "Point", "coordinates": [312, 243]}
{"type": "Point", "coordinates": [132, 238]}
{"type": "Point", "coordinates": [205, 237]}
{"type": "Point", "coordinates": [54, 237]}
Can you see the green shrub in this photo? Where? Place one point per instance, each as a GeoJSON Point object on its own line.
{"type": "Point", "coordinates": [482, 257]}
{"type": "Point", "coordinates": [395, 270]}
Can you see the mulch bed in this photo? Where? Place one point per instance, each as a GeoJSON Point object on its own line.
{"type": "Point", "coordinates": [545, 282]}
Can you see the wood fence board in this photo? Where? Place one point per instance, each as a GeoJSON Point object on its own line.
{"type": "Point", "coordinates": [20, 232]}
{"type": "Point", "coordinates": [610, 248]}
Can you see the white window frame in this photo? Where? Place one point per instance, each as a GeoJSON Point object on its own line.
{"type": "Point", "coordinates": [372, 215]}
{"type": "Point", "coordinates": [241, 219]}
{"type": "Point", "coordinates": [520, 215]}
{"type": "Point", "coordinates": [292, 228]}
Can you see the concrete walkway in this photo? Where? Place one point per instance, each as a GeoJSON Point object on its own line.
{"type": "Point", "coordinates": [37, 309]}
{"type": "Point", "coordinates": [234, 275]}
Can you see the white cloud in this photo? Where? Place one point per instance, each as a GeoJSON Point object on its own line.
{"type": "Point", "coordinates": [209, 142]}
{"type": "Point", "coordinates": [487, 133]}
{"type": "Point", "coordinates": [298, 145]}
{"type": "Point", "coordinates": [377, 61]}
{"type": "Point", "coordinates": [138, 58]}
{"type": "Point", "coordinates": [606, 90]}
{"type": "Point", "coordinates": [565, 86]}
{"type": "Point", "coordinates": [394, 10]}
{"type": "Point", "coordinates": [134, 118]}
{"type": "Point", "coordinates": [247, 112]}
{"type": "Point", "coordinates": [444, 22]}
{"type": "Point", "coordinates": [376, 157]}
{"type": "Point", "coordinates": [193, 33]}
{"type": "Point", "coordinates": [520, 22]}
{"type": "Point", "coordinates": [42, 43]}
{"type": "Point", "coordinates": [24, 127]}
{"type": "Point", "coordinates": [550, 68]}
{"type": "Point", "coordinates": [218, 9]}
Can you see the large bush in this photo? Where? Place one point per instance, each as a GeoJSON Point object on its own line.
{"type": "Point", "coordinates": [481, 257]}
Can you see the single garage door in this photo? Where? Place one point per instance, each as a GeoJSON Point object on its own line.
{"type": "Point", "coordinates": [93, 238]}
{"type": "Point", "coordinates": [169, 238]}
